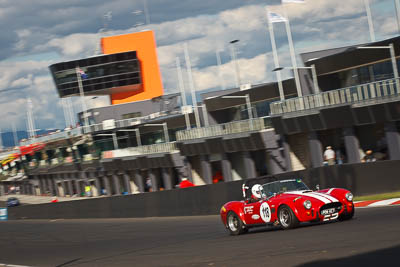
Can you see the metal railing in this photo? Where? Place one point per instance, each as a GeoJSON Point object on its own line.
{"type": "Point", "coordinates": [142, 150]}
{"type": "Point", "coordinates": [97, 127]}
{"type": "Point", "coordinates": [375, 91]}
{"type": "Point", "coordinates": [256, 124]}
{"type": "Point", "coordinates": [53, 137]}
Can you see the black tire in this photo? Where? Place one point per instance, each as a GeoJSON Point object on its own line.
{"type": "Point", "coordinates": [235, 224]}
{"type": "Point", "coordinates": [287, 218]}
{"type": "Point", "coordinates": [346, 216]}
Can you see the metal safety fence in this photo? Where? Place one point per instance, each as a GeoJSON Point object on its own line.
{"type": "Point", "coordinates": [256, 124]}
{"type": "Point", "coordinates": [381, 90]}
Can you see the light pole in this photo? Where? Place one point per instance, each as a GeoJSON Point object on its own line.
{"type": "Point", "coordinates": [165, 128]}
{"type": "Point", "coordinates": [138, 140]}
{"type": "Point", "coordinates": [392, 56]}
{"type": "Point", "coordinates": [82, 96]}
{"type": "Point", "coordinates": [248, 104]}
{"type": "Point", "coordinates": [275, 53]}
{"type": "Point", "coordinates": [369, 17]}
{"type": "Point", "coordinates": [233, 55]}
{"type": "Point", "coordinates": [205, 116]}
{"type": "Point", "coordinates": [313, 72]}
{"type": "Point", "coordinates": [114, 137]}
{"type": "Point", "coordinates": [292, 53]}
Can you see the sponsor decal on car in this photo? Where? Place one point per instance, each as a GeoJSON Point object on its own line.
{"type": "Point", "coordinates": [255, 217]}
{"type": "Point", "coordinates": [248, 209]}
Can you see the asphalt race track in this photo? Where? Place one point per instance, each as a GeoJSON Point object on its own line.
{"type": "Point", "coordinates": [372, 238]}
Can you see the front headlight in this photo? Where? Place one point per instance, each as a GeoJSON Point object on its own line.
{"type": "Point", "coordinates": [349, 196]}
{"type": "Point", "coordinates": [307, 204]}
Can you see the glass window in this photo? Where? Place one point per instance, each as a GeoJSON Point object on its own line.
{"type": "Point", "coordinates": [383, 70]}
{"type": "Point", "coordinates": [132, 115]}
{"type": "Point", "coordinates": [102, 73]}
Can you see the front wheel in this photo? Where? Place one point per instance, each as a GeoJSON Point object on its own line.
{"type": "Point", "coordinates": [235, 224]}
{"type": "Point", "coordinates": [286, 217]}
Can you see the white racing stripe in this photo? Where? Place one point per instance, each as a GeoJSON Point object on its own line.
{"type": "Point", "coordinates": [330, 190]}
{"type": "Point", "coordinates": [331, 198]}
{"type": "Point", "coordinates": [323, 199]}
{"type": "Point", "coordinates": [317, 196]}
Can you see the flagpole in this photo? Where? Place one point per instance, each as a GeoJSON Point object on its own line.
{"type": "Point", "coordinates": [191, 84]}
{"type": "Point", "coordinates": [221, 79]}
{"type": "Point", "coordinates": [82, 96]}
{"type": "Point", "coordinates": [71, 112]}
{"type": "Point", "coordinates": [31, 122]}
{"type": "Point", "coordinates": [292, 54]}
{"type": "Point", "coordinates": [276, 58]}
{"type": "Point", "coordinates": [370, 23]}
{"type": "Point", "coordinates": [65, 112]}
{"type": "Point", "coordinates": [146, 12]}
{"type": "Point", "coordinates": [182, 89]}
{"type": "Point", "coordinates": [1, 140]}
{"type": "Point", "coordinates": [15, 135]}
{"type": "Point", "coordinates": [397, 5]}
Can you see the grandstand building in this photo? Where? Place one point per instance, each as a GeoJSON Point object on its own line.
{"type": "Point", "coordinates": [147, 136]}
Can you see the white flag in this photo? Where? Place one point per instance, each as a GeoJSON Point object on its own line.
{"type": "Point", "coordinates": [275, 17]}
{"type": "Point", "coordinates": [294, 1]}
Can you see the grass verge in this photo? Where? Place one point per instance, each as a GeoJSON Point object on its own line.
{"type": "Point", "coordinates": [378, 196]}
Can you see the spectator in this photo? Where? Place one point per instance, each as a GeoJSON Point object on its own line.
{"type": "Point", "coordinates": [87, 191]}
{"type": "Point", "coordinates": [217, 177]}
{"type": "Point", "coordinates": [369, 157]}
{"type": "Point", "coordinates": [329, 155]}
{"type": "Point", "coordinates": [362, 154]}
{"type": "Point", "coordinates": [148, 185]}
{"type": "Point", "coordinates": [339, 157]}
{"type": "Point", "coordinates": [185, 183]}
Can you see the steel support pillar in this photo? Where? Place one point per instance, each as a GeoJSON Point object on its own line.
{"type": "Point", "coordinates": [315, 146]}
{"type": "Point", "coordinates": [392, 140]}
{"type": "Point", "coordinates": [352, 146]}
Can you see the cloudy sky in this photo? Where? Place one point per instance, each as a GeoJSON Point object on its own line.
{"type": "Point", "coordinates": [36, 34]}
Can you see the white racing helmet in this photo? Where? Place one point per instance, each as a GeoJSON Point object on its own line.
{"type": "Point", "coordinates": [256, 191]}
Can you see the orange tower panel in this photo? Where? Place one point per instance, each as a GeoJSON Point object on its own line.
{"type": "Point", "coordinates": [145, 46]}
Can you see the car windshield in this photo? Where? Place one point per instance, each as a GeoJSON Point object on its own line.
{"type": "Point", "coordinates": [284, 186]}
{"type": "Point", "coordinates": [12, 199]}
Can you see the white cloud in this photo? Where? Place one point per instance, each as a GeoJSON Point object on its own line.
{"type": "Point", "coordinates": [75, 45]}
{"type": "Point", "coordinates": [68, 28]}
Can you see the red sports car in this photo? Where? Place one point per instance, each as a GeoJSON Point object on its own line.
{"type": "Point", "coordinates": [285, 203]}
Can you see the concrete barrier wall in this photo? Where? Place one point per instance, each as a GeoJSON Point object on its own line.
{"type": "Point", "coordinates": [361, 179]}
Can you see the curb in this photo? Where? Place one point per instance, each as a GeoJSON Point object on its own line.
{"type": "Point", "coordinates": [377, 203]}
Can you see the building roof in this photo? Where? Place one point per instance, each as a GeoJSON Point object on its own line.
{"type": "Point", "coordinates": [261, 92]}
{"type": "Point", "coordinates": [339, 59]}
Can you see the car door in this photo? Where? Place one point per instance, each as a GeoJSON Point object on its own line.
{"type": "Point", "coordinates": [258, 212]}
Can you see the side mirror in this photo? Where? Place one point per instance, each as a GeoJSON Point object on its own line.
{"type": "Point", "coordinates": [317, 187]}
